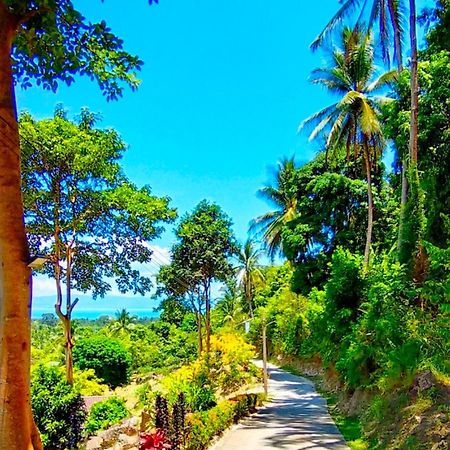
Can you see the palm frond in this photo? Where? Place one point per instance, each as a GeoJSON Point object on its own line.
{"type": "Point", "coordinates": [344, 11]}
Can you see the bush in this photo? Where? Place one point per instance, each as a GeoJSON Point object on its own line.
{"type": "Point", "coordinates": [108, 357]}
{"type": "Point", "coordinates": [58, 410]}
{"type": "Point", "coordinates": [86, 383]}
{"type": "Point", "coordinates": [205, 425]}
{"type": "Point", "coordinates": [105, 414]}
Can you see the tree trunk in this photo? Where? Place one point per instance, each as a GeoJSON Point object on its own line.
{"type": "Point", "coordinates": [414, 128]}
{"type": "Point", "coordinates": [369, 207]}
{"type": "Point", "coordinates": [17, 429]}
{"type": "Point", "coordinates": [208, 321]}
{"type": "Point", "coordinates": [199, 333]}
{"type": "Point", "coordinates": [68, 345]}
{"type": "Point", "coordinates": [68, 322]}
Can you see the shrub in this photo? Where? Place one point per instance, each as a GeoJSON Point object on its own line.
{"type": "Point", "coordinates": [58, 409]}
{"type": "Point", "coordinates": [108, 357]}
{"type": "Point", "coordinates": [205, 425]}
{"type": "Point", "coordinates": [86, 383]}
{"type": "Point", "coordinates": [105, 414]}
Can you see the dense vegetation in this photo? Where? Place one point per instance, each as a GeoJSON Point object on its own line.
{"type": "Point", "coordinates": [369, 302]}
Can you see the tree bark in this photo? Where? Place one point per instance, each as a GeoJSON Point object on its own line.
{"type": "Point", "coordinates": [17, 429]}
{"type": "Point", "coordinates": [370, 205]}
{"type": "Point", "coordinates": [199, 333]}
{"type": "Point", "coordinates": [208, 319]}
{"type": "Point", "coordinates": [68, 321]}
{"type": "Point", "coordinates": [414, 128]}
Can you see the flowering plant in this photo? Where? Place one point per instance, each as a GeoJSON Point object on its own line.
{"type": "Point", "coordinates": [153, 441]}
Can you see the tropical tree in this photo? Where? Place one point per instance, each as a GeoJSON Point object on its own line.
{"type": "Point", "coordinates": [248, 272]}
{"type": "Point", "coordinates": [47, 42]}
{"type": "Point", "coordinates": [83, 213]}
{"type": "Point", "coordinates": [389, 16]}
{"type": "Point", "coordinates": [205, 244]}
{"type": "Point", "coordinates": [353, 122]}
{"type": "Point", "coordinates": [228, 308]}
{"type": "Point", "coordinates": [124, 322]}
{"type": "Point", "coordinates": [283, 195]}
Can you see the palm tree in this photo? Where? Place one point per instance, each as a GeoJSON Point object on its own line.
{"type": "Point", "coordinates": [284, 197]}
{"type": "Point", "coordinates": [228, 307]}
{"type": "Point", "coordinates": [388, 15]}
{"type": "Point", "coordinates": [248, 272]}
{"type": "Point", "coordinates": [123, 323]}
{"type": "Point", "coordinates": [353, 121]}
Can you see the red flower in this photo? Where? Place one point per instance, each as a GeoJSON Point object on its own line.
{"type": "Point", "coordinates": [153, 441]}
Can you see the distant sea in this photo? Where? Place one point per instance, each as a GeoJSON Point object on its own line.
{"type": "Point", "coordinates": [88, 308]}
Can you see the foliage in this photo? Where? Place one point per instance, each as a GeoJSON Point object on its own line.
{"type": "Point", "coordinates": [201, 256]}
{"type": "Point", "coordinates": [248, 272]}
{"type": "Point", "coordinates": [63, 44]}
{"type": "Point", "coordinates": [283, 195]}
{"type": "Point", "coordinates": [86, 383]}
{"type": "Point", "coordinates": [58, 409]}
{"type": "Point", "coordinates": [77, 198]}
{"type": "Point", "coordinates": [204, 426]}
{"type": "Point", "coordinates": [104, 414]}
{"type": "Point", "coordinates": [106, 356]}
{"type": "Point", "coordinates": [226, 368]}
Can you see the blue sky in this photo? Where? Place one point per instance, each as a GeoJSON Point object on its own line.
{"type": "Point", "coordinates": [224, 88]}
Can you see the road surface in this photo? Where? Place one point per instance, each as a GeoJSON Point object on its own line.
{"type": "Point", "coordinates": [296, 419]}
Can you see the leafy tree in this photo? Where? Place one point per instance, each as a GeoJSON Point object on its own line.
{"type": "Point", "coordinates": [83, 213]}
{"type": "Point", "coordinates": [43, 42]}
{"type": "Point", "coordinates": [173, 310]}
{"type": "Point", "coordinates": [248, 272]}
{"type": "Point", "coordinates": [58, 409]}
{"type": "Point", "coordinates": [201, 256]}
{"type": "Point", "coordinates": [353, 122]}
{"type": "Point", "coordinates": [178, 283]}
{"type": "Point", "coordinates": [284, 197]}
{"type": "Point", "coordinates": [107, 356]}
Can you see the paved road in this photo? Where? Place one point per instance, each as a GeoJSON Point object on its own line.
{"type": "Point", "coordinates": [296, 419]}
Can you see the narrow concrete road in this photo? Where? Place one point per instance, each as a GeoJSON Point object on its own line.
{"type": "Point", "coordinates": [296, 419]}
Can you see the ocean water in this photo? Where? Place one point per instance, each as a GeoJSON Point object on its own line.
{"type": "Point", "coordinates": [95, 314]}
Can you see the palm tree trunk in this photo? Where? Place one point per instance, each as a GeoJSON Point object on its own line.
{"type": "Point", "coordinates": [17, 429]}
{"type": "Point", "coordinates": [414, 128]}
{"type": "Point", "coordinates": [413, 131]}
{"type": "Point", "coordinates": [370, 204]}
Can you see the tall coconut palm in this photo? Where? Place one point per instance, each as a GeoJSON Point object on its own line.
{"type": "Point", "coordinates": [283, 195]}
{"type": "Point", "coordinates": [248, 272]}
{"type": "Point", "coordinates": [389, 16]}
{"type": "Point", "coordinates": [353, 121]}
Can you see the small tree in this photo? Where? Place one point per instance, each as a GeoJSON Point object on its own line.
{"type": "Point", "coordinates": [83, 213]}
{"type": "Point", "coordinates": [201, 256]}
